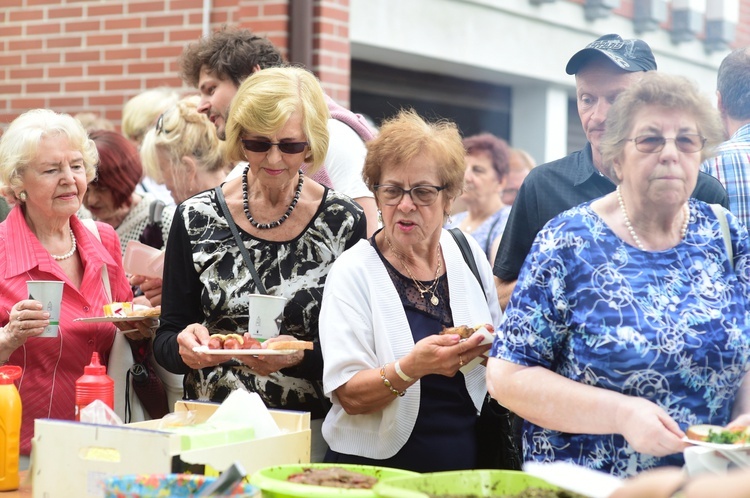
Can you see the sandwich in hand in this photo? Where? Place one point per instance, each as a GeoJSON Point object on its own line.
{"type": "Point", "coordinates": [717, 434]}
{"type": "Point", "coordinates": [465, 331]}
{"type": "Point", "coordinates": [295, 345]}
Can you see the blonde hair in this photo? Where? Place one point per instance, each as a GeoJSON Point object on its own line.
{"type": "Point", "coordinates": [266, 100]}
{"type": "Point", "coordinates": [183, 131]}
{"type": "Point", "coordinates": [406, 136]}
{"type": "Point", "coordinates": [655, 89]}
{"type": "Point", "coordinates": [20, 143]}
{"type": "Point", "coordinates": [139, 113]}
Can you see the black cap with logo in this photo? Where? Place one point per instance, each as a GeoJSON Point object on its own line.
{"type": "Point", "coordinates": [630, 55]}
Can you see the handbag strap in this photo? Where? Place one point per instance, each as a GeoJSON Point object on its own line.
{"type": "Point", "coordinates": [91, 225]}
{"type": "Point", "coordinates": [718, 210]}
{"type": "Point", "coordinates": [240, 244]}
{"type": "Point", "coordinates": [463, 244]}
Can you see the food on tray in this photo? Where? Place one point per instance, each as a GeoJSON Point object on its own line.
{"type": "Point", "coordinates": [233, 341]}
{"type": "Point", "coordinates": [335, 477]}
{"type": "Point", "coordinates": [118, 309]}
{"type": "Point", "coordinates": [465, 331]}
{"type": "Point", "coordinates": [717, 434]}
{"type": "Point", "coordinates": [296, 345]}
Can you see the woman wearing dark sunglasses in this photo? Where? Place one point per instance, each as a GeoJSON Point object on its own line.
{"type": "Point", "coordinates": [293, 229]}
{"type": "Point", "coordinates": [630, 318]}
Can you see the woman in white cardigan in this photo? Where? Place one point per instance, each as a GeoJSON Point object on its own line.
{"type": "Point", "coordinates": [399, 396]}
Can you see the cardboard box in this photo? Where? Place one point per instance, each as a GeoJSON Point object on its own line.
{"type": "Point", "coordinates": [73, 458]}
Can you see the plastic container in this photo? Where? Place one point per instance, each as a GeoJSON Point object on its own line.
{"type": "Point", "coordinates": [94, 384]}
{"type": "Point", "coordinates": [273, 481]}
{"type": "Point", "coordinates": [474, 483]}
{"type": "Point", "coordinates": [10, 427]}
{"type": "Point", "coordinates": [171, 485]}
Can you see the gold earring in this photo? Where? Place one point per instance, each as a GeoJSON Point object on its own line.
{"type": "Point", "coordinates": [380, 217]}
{"type": "Point", "coordinates": [22, 196]}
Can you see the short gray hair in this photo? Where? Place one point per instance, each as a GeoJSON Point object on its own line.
{"type": "Point", "coordinates": [20, 143]}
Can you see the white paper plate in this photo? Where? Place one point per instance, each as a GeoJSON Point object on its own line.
{"type": "Point", "coordinates": [575, 478]}
{"type": "Point", "coordinates": [243, 352]}
{"type": "Point", "coordinates": [718, 446]}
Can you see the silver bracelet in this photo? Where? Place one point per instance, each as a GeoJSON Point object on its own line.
{"type": "Point", "coordinates": [401, 373]}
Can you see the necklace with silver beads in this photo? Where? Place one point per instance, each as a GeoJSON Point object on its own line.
{"type": "Point", "coordinates": [69, 253]}
{"type": "Point", "coordinates": [422, 289]}
{"type": "Point", "coordinates": [629, 226]}
{"type": "Point", "coordinates": [273, 224]}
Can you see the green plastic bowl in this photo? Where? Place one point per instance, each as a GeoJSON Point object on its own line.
{"type": "Point", "coordinates": [273, 483]}
{"type": "Point", "coordinates": [476, 483]}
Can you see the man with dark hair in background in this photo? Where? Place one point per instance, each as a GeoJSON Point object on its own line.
{"type": "Point", "coordinates": [602, 70]}
{"type": "Point", "coordinates": [732, 160]}
{"type": "Point", "coordinates": [218, 64]}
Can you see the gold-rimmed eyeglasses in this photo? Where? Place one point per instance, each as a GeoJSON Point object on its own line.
{"type": "Point", "coordinates": [687, 142]}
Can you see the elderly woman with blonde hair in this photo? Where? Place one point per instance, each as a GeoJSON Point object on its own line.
{"type": "Point", "coordinates": [293, 230]}
{"type": "Point", "coordinates": [183, 152]}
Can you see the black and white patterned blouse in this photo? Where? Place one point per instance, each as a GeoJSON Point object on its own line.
{"type": "Point", "coordinates": [206, 281]}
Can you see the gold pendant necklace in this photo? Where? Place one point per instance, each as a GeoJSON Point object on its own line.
{"type": "Point", "coordinates": [422, 289]}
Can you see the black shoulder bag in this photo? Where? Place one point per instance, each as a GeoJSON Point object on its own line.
{"type": "Point", "coordinates": [496, 446]}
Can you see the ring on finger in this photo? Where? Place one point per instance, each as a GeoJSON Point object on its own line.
{"type": "Point", "coordinates": [460, 361]}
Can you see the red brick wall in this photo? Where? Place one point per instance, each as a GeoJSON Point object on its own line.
{"type": "Point", "coordinates": [85, 55]}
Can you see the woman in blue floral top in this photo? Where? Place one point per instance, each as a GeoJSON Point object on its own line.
{"type": "Point", "coordinates": [629, 321]}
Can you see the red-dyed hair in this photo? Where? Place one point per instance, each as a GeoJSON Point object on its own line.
{"type": "Point", "coordinates": [119, 168]}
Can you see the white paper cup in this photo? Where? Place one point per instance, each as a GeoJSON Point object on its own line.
{"type": "Point", "coordinates": [265, 315]}
{"type": "Point", "coordinates": [49, 293]}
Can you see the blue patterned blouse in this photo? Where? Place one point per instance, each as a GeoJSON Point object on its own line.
{"type": "Point", "coordinates": [669, 326]}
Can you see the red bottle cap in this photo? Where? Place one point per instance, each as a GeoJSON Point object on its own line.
{"type": "Point", "coordinates": [9, 373]}
{"type": "Point", "coordinates": [95, 367]}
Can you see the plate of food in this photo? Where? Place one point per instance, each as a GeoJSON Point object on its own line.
{"type": "Point", "coordinates": [243, 345]}
{"type": "Point", "coordinates": [123, 312]}
{"type": "Point", "coordinates": [718, 438]}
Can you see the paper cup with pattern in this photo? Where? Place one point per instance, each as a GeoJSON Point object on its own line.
{"type": "Point", "coordinates": [265, 315]}
{"type": "Point", "coordinates": [49, 293]}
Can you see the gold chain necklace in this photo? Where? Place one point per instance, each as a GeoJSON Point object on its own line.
{"type": "Point", "coordinates": [422, 289]}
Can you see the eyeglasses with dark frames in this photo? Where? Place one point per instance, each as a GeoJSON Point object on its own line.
{"type": "Point", "coordinates": [421, 195]}
{"type": "Point", "coordinates": [284, 147]}
{"type": "Point", "coordinates": [687, 142]}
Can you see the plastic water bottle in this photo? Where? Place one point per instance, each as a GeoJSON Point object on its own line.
{"type": "Point", "coordinates": [10, 427]}
{"type": "Point", "coordinates": [94, 384]}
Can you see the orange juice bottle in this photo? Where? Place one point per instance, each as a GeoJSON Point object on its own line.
{"type": "Point", "coordinates": [10, 427]}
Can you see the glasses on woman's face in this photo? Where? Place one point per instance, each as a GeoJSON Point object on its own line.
{"type": "Point", "coordinates": [284, 147]}
{"type": "Point", "coordinates": [688, 142]}
{"type": "Point", "coordinates": [421, 195]}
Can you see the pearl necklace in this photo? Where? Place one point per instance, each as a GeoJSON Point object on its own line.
{"type": "Point", "coordinates": [69, 253]}
{"type": "Point", "coordinates": [422, 289]}
{"type": "Point", "coordinates": [629, 226]}
{"type": "Point", "coordinates": [274, 224]}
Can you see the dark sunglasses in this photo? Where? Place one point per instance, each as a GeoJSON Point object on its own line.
{"type": "Point", "coordinates": [284, 147]}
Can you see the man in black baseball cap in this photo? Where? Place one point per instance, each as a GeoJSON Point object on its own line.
{"type": "Point", "coordinates": [630, 55]}
{"type": "Point", "coordinates": [603, 69]}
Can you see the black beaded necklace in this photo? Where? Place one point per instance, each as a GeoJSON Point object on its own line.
{"type": "Point", "coordinates": [274, 224]}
